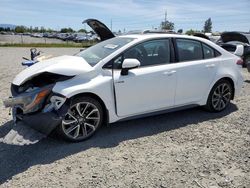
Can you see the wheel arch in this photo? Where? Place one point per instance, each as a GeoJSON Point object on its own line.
{"type": "Point", "coordinates": [230, 80]}
{"type": "Point", "coordinates": [97, 98]}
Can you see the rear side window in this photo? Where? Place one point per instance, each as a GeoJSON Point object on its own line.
{"type": "Point", "coordinates": [189, 50]}
{"type": "Point", "coordinates": [208, 51]}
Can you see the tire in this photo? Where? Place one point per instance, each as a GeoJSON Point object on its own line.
{"type": "Point", "coordinates": [219, 96]}
{"type": "Point", "coordinates": [84, 117]}
{"type": "Point", "coordinates": [247, 63]}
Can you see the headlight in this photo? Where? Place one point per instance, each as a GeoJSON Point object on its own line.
{"type": "Point", "coordinates": [37, 101]}
{"type": "Point", "coordinates": [31, 101]}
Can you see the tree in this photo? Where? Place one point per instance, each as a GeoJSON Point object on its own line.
{"type": "Point", "coordinates": [180, 31]}
{"type": "Point", "coordinates": [208, 26]}
{"type": "Point", "coordinates": [167, 25]}
{"type": "Point", "coordinates": [20, 29]}
{"type": "Point", "coordinates": [82, 31]}
{"type": "Point", "coordinates": [191, 32]}
{"type": "Point", "coordinates": [42, 30]}
{"type": "Point", "coordinates": [67, 30]}
{"type": "Point", "coordinates": [36, 30]}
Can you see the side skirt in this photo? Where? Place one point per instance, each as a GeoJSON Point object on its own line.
{"type": "Point", "coordinates": [158, 112]}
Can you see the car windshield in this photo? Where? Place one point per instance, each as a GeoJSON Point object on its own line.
{"type": "Point", "coordinates": [103, 49]}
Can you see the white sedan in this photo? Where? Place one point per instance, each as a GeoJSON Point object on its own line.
{"type": "Point", "coordinates": [121, 78]}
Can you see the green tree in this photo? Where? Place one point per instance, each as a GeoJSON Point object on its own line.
{"type": "Point", "coordinates": [67, 30]}
{"type": "Point", "coordinates": [191, 32]}
{"type": "Point", "coordinates": [82, 31]}
{"type": "Point", "coordinates": [20, 29]}
{"type": "Point", "coordinates": [36, 30]}
{"type": "Point", "coordinates": [49, 30]}
{"type": "Point", "coordinates": [42, 30]}
{"type": "Point", "coordinates": [180, 31]}
{"type": "Point", "coordinates": [167, 25]}
{"type": "Point", "coordinates": [208, 26]}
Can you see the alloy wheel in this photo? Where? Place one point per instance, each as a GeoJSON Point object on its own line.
{"type": "Point", "coordinates": [81, 120]}
{"type": "Point", "coordinates": [221, 96]}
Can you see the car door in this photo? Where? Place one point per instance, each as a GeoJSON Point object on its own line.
{"type": "Point", "coordinates": [195, 70]}
{"type": "Point", "coordinates": [151, 86]}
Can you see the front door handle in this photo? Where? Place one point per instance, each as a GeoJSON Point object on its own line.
{"type": "Point", "coordinates": [169, 73]}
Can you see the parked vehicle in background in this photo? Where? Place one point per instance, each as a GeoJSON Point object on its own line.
{"type": "Point", "coordinates": [229, 41]}
{"type": "Point", "coordinates": [80, 37]}
{"type": "Point", "coordinates": [37, 35]}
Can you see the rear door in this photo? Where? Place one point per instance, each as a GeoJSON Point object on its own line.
{"type": "Point", "coordinates": [196, 69]}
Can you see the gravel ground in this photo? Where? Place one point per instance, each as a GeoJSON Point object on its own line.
{"type": "Point", "coordinates": [190, 148]}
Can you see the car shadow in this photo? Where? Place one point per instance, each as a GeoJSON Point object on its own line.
{"type": "Point", "coordinates": [247, 81]}
{"type": "Point", "coordinates": [17, 159]}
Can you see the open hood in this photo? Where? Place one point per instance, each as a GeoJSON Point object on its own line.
{"type": "Point", "coordinates": [233, 36]}
{"type": "Point", "coordinates": [63, 65]}
{"type": "Point", "coordinates": [101, 29]}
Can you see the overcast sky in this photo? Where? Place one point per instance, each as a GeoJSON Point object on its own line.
{"type": "Point", "coordinates": [128, 14]}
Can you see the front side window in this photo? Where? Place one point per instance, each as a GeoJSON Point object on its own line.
{"type": "Point", "coordinates": [189, 50]}
{"type": "Point", "coordinates": [103, 49]}
{"type": "Point", "coordinates": [153, 52]}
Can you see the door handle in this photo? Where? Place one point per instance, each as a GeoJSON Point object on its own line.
{"type": "Point", "coordinates": [119, 82]}
{"type": "Point", "coordinates": [169, 73]}
{"type": "Point", "coordinates": [210, 65]}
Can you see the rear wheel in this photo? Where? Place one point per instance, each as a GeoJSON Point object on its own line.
{"type": "Point", "coordinates": [220, 96]}
{"type": "Point", "coordinates": [82, 120]}
{"type": "Point", "coordinates": [247, 62]}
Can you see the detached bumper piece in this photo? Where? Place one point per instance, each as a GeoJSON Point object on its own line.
{"type": "Point", "coordinates": [32, 128]}
{"type": "Point", "coordinates": [22, 135]}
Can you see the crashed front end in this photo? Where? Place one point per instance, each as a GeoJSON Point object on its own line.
{"type": "Point", "coordinates": [35, 104]}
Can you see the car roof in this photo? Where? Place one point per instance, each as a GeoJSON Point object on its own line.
{"type": "Point", "coordinates": [161, 35]}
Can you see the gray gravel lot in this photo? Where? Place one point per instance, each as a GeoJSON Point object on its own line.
{"type": "Point", "coordinates": [190, 148]}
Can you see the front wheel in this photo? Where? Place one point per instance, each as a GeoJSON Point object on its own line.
{"type": "Point", "coordinates": [220, 96]}
{"type": "Point", "coordinates": [84, 117]}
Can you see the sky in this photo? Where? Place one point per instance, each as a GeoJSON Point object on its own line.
{"type": "Point", "coordinates": [226, 15]}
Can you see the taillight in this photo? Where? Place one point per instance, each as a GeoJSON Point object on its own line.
{"type": "Point", "coordinates": [239, 62]}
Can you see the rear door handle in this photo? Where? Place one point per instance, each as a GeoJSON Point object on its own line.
{"type": "Point", "coordinates": [210, 65]}
{"type": "Point", "coordinates": [119, 82]}
{"type": "Point", "coordinates": [169, 73]}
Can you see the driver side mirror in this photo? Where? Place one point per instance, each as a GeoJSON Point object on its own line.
{"type": "Point", "coordinates": [129, 64]}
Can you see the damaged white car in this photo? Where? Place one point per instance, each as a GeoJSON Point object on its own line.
{"type": "Point", "coordinates": [122, 78]}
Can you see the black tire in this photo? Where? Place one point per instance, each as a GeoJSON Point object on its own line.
{"type": "Point", "coordinates": [247, 63]}
{"type": "Point", "coordinates": [216, 99]}
{"type": "Point", "coordinates": [74, 122]}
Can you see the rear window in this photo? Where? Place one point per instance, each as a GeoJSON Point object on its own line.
{"type": "Point", "coordinates": [208, 51]}
{"type": "Point", "coordinates": [189, 50]}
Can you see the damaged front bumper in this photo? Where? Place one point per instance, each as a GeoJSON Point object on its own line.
{"type": "Point", "coordinates": [39, 109]}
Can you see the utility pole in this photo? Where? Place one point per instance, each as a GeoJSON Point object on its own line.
{"type": "Point", "coordinates": [111, 24]}
{"type": "Point", "coordinates": [165, 23]}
